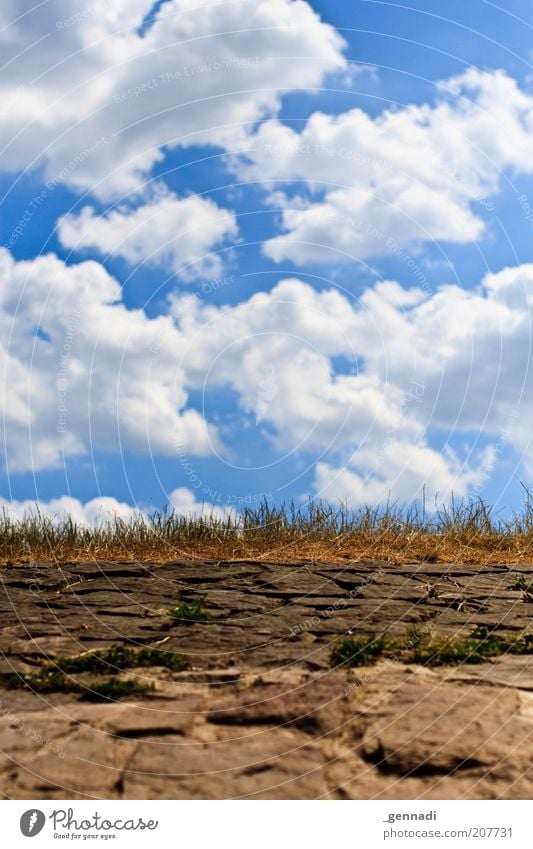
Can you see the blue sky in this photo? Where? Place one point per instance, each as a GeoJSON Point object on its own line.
{"type": "Point", "coordinates": [265, 250]}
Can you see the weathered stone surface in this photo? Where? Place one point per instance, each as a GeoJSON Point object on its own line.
{"type": "Point", "coordinates": [259, 714]}
{"type": "Point", "coordinates": [440, 727]}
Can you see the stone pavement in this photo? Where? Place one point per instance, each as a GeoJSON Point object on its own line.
{"type": "Point", "coordinates": [259, 713]}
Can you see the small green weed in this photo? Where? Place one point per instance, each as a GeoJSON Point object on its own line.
{"type": "Point", "coordinates": [46, 681]}
{"type": "Point", "coordinates": [519, 583]}
{"type": "Point", "coordinates": [190, 611]}
{"type": "Point", "coordinates": [113, 689]}
{"type": "Point", "coordinates": [474, 649]}
{"type": "Point", "coordinates": [428, 650]}
{"type": "Point", "coordinates": [350, 652]}
{"type": "Point", "coordinates": [120, 658]}
{"type": "Point", "coordinates": [56, 682]}
{"type": "Point", "coordinates": [53, 677]}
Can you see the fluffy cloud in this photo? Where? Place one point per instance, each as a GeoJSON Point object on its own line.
{"type": "Point", "coordinates": [103, 508]}
{"type": "Point", "coordinates": [363, 390]}
{"type": "Point", "coordinates": [81, 372]}
{"type": "Point", "coordinates": [275, 351]}
{"type": "Point", "coordinates": [406, 472]}
{"type": "Point", "coordinates": [408, 176]}
{"type": "Point", "coordinates": [360, 388]}
{"type": "Point", "coordinates": [185, 503]}
{"type": "Point", "coordinates": [93, 511]}
{"type": "Point", "coordinates": [178, 234]}
{"type": "Point", "coordinates": [95, 93]}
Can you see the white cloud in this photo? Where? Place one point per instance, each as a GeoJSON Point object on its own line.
{"type": "Point", "coordinates": [275, 350]}
{"type": "Point", "coordinates": [104, 508]}
{"type": "Point", "coordinates": [84, 80]}
{"type": "Point", "coordinates": [178, 234]}
{"type": "Point", "coordinates": [185, 503]}
{"type": "Point", "coordinates": [406, 472]}
{"type": "Point", "coordinates": [96, 510]}
{"type": "Point", "coordinates": [452, 363]}
{"type": "Point", "coordinates": [408, 176]}
{"type": "Point", "coordinates": [80, 372]}
{"type": "Point", "coordinates": [356, 388]}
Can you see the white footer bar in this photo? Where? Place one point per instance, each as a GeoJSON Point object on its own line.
{"type": "Point", "coordinates": [267, 824]}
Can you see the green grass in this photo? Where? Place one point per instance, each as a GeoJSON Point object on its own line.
{"type": "Point", "coordinates": [190, 611]}
{"type": "Point", "coordinates": [120, 658]}
{"type": "Point", "coordinates": [519, 583]}
{"type": "Point", "coordinates": [361, 652]}
{"type": "Point", "coordinates": [113, 689]}
{"type": "Point", "coordinates": [474, 649]}
{"type": "Point", "coordinates": [45, 681]}
{"type": "Point", "coordinates": [427, 649]}
{"type": "Point", "coordinates": [54, 676]}
{"type": "Point", "coordinates": [49, 681]}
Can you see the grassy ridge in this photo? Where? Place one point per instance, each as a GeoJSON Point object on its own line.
{"type": "Point", "coordinates": [466, 532]}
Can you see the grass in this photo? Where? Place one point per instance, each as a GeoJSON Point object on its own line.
{"type": "Point", "coordinates": [113, 689]}
{"type": "Point", "coordinates": [54, 677]}
{"type": "Point", "coordinates": [520, 583]}
{"type": "Point", "coordinates": [45, 681]}
{"type": "Point", "coordinates": [121, 658]}
{"type": "Point", "coordinates": [428, 650]}
{"type": "Point", "coordinates": [56, 682]}
{"type": "Point", "coordinates": [362, 652]}
{"type": "Point", "coordinates": [463, 532]}
{"type": "Point", "coordinates": [190, 611]}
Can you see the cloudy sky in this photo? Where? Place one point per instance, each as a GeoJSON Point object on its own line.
{"type": "Point", "coordinates": [265, 248]}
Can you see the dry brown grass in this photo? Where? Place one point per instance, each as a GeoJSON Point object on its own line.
{"type": "Point", "coordinates": [463, 533]}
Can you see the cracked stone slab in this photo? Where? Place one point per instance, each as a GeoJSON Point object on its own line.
{"type": "Point", "coordinates": [259, 713]}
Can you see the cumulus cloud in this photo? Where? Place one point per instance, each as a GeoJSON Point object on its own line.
{"type": "Point", "coordinates": [406, 472]}
{"type": "Point", "coordinates": [275, 351]}
{"type": "Point", "coordinates": [103, 508]}
{"type": "Point", "coordinates": [99, 509]}
{"type": "Point", "coordinates": [81, 372]}
{"type": "Point", "coordinates": [407, 176]}
{"type": "Point", "coordinates": [364, 387]}
{"type": "Point", "coordinates": [98, 98]}
{"type": "Point", "coordinates": [184, 502]}
{"type": "Point", "coordinates": [177, 234]}
{"type": "Point", "coordinates": [364, 390]}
